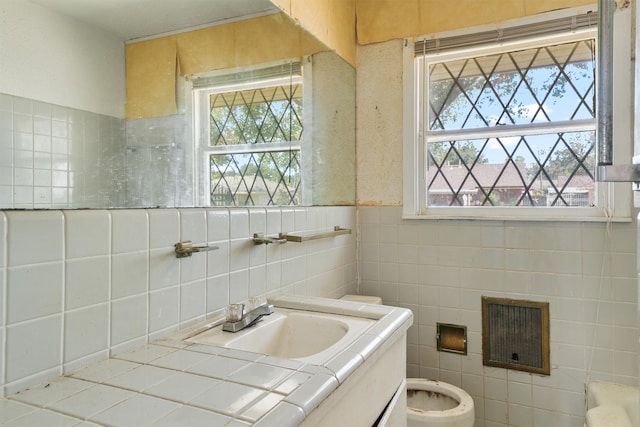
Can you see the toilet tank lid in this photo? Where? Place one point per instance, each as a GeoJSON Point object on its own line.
{"type": "Point", "coordinates": [367, 299]}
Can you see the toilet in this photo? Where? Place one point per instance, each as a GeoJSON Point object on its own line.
{"type": "Point", "coordinates": [431, 403]}
{"type": "Point", "coordinates": [438, 404]}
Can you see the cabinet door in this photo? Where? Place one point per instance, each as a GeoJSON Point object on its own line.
{"type": "Point", "coordinates": [395, 414]}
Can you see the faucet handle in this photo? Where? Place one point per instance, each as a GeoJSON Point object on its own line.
{"type": "Point", "coordinates": [234, 312]}
{"type": "Point", "coordinates": [255, 302]}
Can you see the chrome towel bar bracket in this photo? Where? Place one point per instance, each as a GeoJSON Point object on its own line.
{"type": "Point", "coordinates": [261, 239]}
{"type": "Point", "coordinates": [186, 248]}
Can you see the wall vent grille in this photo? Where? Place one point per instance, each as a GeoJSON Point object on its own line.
{"type": "Point", "coordinates": [515, 334]}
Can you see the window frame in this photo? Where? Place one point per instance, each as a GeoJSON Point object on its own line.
{"type": "Point", "coordinates": [613, 199]}
{"type": "Point", "coordinates": [201, 107]}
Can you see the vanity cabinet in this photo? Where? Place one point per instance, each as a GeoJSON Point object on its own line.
{"type": "Point", "coordinates": [368, 392]}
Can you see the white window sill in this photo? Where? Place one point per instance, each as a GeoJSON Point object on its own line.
{"type": "Point", "coordinates": [518, 214]}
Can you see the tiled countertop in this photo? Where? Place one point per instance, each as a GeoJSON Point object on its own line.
{"type": "Point", "coordinates": [175, 383]}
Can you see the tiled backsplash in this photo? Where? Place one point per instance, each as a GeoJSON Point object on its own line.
{"type": "Point", "coordinates": [440, 269]}
{"type": "Point", "coordinates": [58, 157]}
{"type": "Point", "coordinates": [78, 285]}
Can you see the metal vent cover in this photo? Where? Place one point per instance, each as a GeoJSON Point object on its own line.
{"type": "Point", "coordinates": [515, 334]}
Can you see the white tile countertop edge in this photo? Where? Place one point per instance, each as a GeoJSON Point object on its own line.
{"type": "Point", "coordinates": [230, 389]}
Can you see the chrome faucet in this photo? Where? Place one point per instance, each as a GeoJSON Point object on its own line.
{"type": "Point", "coordinates": [248, 319]}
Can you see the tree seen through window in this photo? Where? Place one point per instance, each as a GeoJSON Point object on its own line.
{"type": "Point", "coordinates": [255, 136]}
{"type": "Point", "coordinates": [497, 100]}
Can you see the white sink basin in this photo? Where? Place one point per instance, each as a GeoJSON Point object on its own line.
{"type": "Point", "coordinates": [306, 336]}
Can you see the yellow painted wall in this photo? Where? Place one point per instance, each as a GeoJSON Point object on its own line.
{"type": "Point", "coordinates": [152, 65]}
{"type": "Point", "coordinates": [382, 20]}
{"type": "Point", "coordinates": [333, 22]}
{"type": "Point", "coordinates": [151, 78]}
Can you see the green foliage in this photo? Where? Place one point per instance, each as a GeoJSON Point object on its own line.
{"type": "Point", "coordinates": [534, 85]}
{"type": "Point", "coordinates": [261, 116]}
{"type": "Point", "coordinates": [454, 153]}
{"type": "Point", "coordinates": [565, 159]}
{"type": "Point", "coordinates": [245, 120]}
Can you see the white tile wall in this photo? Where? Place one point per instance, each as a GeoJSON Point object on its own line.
{"type": "Point", "coordinates": [79, 285]}
{"type": "Point", "coordinates": [94, 298]}
{"type": "Point", "coordinates": [49, 156]}
{"type": "Point", "coordinates": [440, 269]}
{"type": "Point", "coordinates": [3, 277]}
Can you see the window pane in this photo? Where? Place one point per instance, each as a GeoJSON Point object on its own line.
{"type": "Point", "coordinates": [248, 179]}
{"type": "Point", "coordinates": [546, 84]}
{"type": "Point", "coordinates": [256, 116]}
{"type": "Point", "coordinates": [540, 170]}
{"type": "Point", "coordinates": [549, 85]}
{"type": "Point", "coordinates": [243, 170]}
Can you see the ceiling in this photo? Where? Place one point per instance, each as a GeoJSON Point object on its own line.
{"type": "Point", "coordinates": [131, 19]}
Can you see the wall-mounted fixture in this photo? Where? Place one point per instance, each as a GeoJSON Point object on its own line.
{"type": "Point", "coordinates": [515, 334]}
{"type": "Point", "coordinates": [451, 338]}
{"type": "Point", "coordinates": [186, 248]}
{"type": "Point", "coordinates": [260, 239]}
{"type": "Point", "coordinates": [337, 231]}
{"type": "Point", "coordinates": [606, 171]}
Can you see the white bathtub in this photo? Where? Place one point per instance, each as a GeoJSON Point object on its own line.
{"type": "Point", "coordinates": [612, 405]}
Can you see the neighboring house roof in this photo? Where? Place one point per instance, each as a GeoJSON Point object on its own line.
{"type": "Point", "coordinates": [577, 181]}
{"type": "Point", "coordinates": [486, 174]}
{"type": "Point", "coordinates": [577, 184]}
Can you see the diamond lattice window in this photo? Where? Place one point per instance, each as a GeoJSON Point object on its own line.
{"type": "Point", "coordinates": [254, 144]}
{"type": "Point", "coordinates": [512, 128]}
